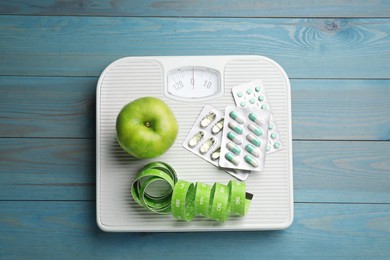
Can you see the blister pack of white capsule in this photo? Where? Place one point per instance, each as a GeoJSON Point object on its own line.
{"type": "Point", "coordinates": [244, 138]}
{"type": "Point", "coordinates": [204, 138]}
{"type": "Point", "coordinates": [253, 94]}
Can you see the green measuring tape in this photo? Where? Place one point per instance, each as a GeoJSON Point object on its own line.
{"type": "Point", "coordinates": [186, 200]}
{"type": "Point", "coordinates": [141, 189]}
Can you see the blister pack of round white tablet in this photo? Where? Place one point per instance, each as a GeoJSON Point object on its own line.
{"type": "Point", "coordinates": [253, 94]}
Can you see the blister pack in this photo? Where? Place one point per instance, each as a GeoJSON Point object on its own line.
{"type": "Point", "coordinates": [204, 138]}
{"type": "Point", "coordinates": [253, 94]}
{"type": "Point", "coordinates": [244, 138]}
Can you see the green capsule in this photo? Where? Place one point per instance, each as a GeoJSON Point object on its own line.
{"type": "Point", "coordinates": [234, 137]}
{"type": "Point", "coordinates": [252, 161]}
{"type": "Point", "coordinates": [232, 158]}
{"type": "Point", "coordinates": [255, 118]}
{"type": "Point", "coordinates": [254, 140]}
{"type": "Point", "coordinates": [256, 130]}
{"type": "Point", "coordinates": [235, 127]}
{"type": "Point", "coordinates": [252, 150]}
{"type": "Point", "coordinates": [233, 148]}
{"type": "Point", "coordinates": [237, 116]}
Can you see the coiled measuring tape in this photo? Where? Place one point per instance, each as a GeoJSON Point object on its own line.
{"type": "Point", "coordinates": [186, 200]}
{"type": "Point", "coordinates": [149, 175]}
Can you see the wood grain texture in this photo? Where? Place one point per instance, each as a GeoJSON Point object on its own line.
{"type": "Point", "coordinates": [52, 51]}
{"type": "Point", "coordinates": [69, 230]}
{"type": "Point", "coordinates": [65, 107]}
{"type": "Point", "coordinates": [342, 171]}
{"type": "Point", "coordinates": [341, 109]}
{"type": "Point", "coordinates": [84, 46]}
{"type": "Point", "coordinates": [47, 107]}
{"type": "Point", "coordinates": [47, 169]}
{"type": "Point", "coordinates": [58, 169]}
{"type": "Point", "coordinates": [200, 8]}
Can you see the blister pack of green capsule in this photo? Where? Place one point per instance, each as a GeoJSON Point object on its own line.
{"type": "Point", "coordinates": [244, 139]}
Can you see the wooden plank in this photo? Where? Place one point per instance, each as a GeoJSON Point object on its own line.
{"type": "Point", "coordinates": [47, 169]}
{"type": "Point", "coordinates": [341, 109]}
{"type": "Point", "coordinates": [58, 169]}
{"type": "Point", "coordinates": [84, 46]}
{"type": "Point", "coordinates": [342, 171]}
{"type": "Point", "coordinates": [48, 107]}
{"type": "Point", "coordinates": [65, 107]}
{"type": "Point", "coordinates": [68, 230]}
{"type": "Point", "coordinates": [201, 8]}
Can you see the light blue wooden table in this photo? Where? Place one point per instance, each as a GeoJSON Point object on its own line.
{"type": "Point", "coordinates": [336, 53]}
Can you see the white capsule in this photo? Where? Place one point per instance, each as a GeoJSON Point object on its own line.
{"type": "Point", "coordinates": [206, 146]}
{"type": "Point", "coordinates": [207, 119]}
{"type": "Point", "coordinates": [217, 127]}
{"type": "Point", "coordinates": [216, 154]}
{"type": "Point", "coordinates": [195, 139]}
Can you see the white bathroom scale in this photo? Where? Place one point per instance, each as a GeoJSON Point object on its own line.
{"type": "Point", "coordinates": [187, 84]}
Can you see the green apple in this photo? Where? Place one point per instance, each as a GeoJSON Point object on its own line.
{"type": "Point", "coordinates": [146, 127]}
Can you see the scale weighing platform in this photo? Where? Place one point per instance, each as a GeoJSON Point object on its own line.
{"type": "Point", "coordinates": [187, 84]}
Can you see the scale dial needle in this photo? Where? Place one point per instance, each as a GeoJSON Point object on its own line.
{"type": "Point", "coordinates": [204, 82]}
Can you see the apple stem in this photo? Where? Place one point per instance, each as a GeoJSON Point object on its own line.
{"type": "Point", "coordinates": [148, 124]}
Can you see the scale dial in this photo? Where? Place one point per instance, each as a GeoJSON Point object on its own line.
{"type": "Point", "coordinates": [193, 83]}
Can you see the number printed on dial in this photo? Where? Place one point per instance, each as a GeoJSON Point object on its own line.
{"type": "Point", "coordinates": [192, 83]}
